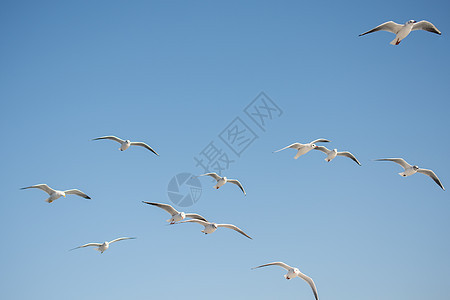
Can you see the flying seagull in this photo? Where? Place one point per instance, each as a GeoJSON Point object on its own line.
{"type": "Point", "coordinates": [402, 31]}
{"type": "Point", "coordinates": [222, 180]}
{"type": "Point", "coordinates": [176, 216]}
{"type": "Point", "coordinates": [333, 153]}
{"type": "Point", "coordinates": [292, 273]}
{"type": "Point", "coordinates": [54, 194]}
{"type": "Point", "coordinates": [125, 144]}
{"type": "Point", "coordinates": [304, 148]}
{"type": "Point", "coordinates": [211, 227]}
{"type": "Point", "coordinates": [410, 170]}
{"type": "Point", "coordinates": [102, 247]}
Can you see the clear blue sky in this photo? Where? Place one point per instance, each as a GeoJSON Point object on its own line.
{"type": "Point", "coordinates": [175, 74]}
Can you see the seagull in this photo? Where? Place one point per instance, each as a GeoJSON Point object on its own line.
{"type": "Point", "coordinates": [304, 148]}
{"type": "Point", "coordinates": [211, 227]}
{"type": "Point", "coordinates": [410, 170]}
{"type": "Point", "coordinates": [54, 194]}
{"type": "Point", "coordinates": [103, 247]}
{"type": "Point", "coordinates": [124, 145]}
{"type": "Point", "coordinates": [222, 180]}
{"type": "Point", "coordinates": [333, 153]}
{"type": "Point", "coordinates": [292, 273]}
{"type": "Point", "coordinates": [402, 31]}
{"type": "Point", "coordinates": [176, 215]}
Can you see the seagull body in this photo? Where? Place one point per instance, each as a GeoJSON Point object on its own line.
{"type": "Point", "coordinates": [54, 194]}
{"type": "Point", "coordinates": [102, 247]}
{"type": "Point", "coordinates": [411, 170]}
{"type": "Point", "coordinates": [176, 216]}
{"type": "Point", "coordinates": [303, 148]}
{"type": "Point", "coordinates": [292, 273]}
{"type": "Point", "coordinates": [402, 31]}
{"type": "Point", "coordinates": [211, 227]}
{"type": "Point", "coordinates": [222, 180]}
{"type": "Point", "coordinates": [331, 154]}
{"type": "Point", "coordinates": [125, 144]}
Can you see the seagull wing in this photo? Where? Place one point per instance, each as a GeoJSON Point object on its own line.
{"type": "Point", "coordinates": [196, 216]}
{"type": "Point", "coordinates": [432, 175]}
{"type": "Point", "coordinates": [427, 26]}
{"type": "Point", "coordinates": [77, 192]}
{"type": "Point", "coordinates": [323, 149]}
{"type": "Point", "coordinates": [279, 263]}
{"type": "Point", "coordinates": [349, 155]}
{"type": "Point", "coordinates": [172, 211]}
{"type": "Point", "coordinates": [201, 222]}
{"type": "Point", "coordinates": [294, 146]}
{"type": "Point", "coordinates": [110, 137]}
{"type": "Point", "coordinates": [231, 226]}
{"type": "Point", "coordinates": [320, 141]}
{"type": "Point", "coordinates": [388, 26]}
{"type": "Point", "coordinates": [213, 175]}
{"type": "Point", "coordinates": [43, 187]}
{"type": "Point", "coordinates": [87, 245]}
{"type": "Point", "coordinates": [236, 182]}
{"type": "Point", "coordinates": [400, 161]}
{"type": "Point", "coordinates": [311, 284]}
{"type": "Point", "coordinates": [121, 239]}
{"type": "Point", "coordinates": [143, 145]}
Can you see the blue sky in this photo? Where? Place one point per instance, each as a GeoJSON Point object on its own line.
{"type": "Point", "coordinates": [175, 74]}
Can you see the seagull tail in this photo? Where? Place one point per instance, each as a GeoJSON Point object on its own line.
{"type": "Point", "coordinates": [396, 41]}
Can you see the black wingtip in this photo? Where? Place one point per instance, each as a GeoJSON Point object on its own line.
{"type": "Point", "coordinates": [87, 197]}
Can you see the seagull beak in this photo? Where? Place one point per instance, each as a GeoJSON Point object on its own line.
{"type": "Point", "coordinates": [64, 196]}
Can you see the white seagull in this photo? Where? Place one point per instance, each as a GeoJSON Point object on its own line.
{"type": "Point", "coordinates": [410, 170]}
{"type": "Point", "coordinates": [176, 216]}
{"type": "Point", "coordinates": [211, 227]}
{"type": "Point", "coordinates": [304, 148]}
{"type": "Point", "coordinates": [54, 194]}
{"type": "Point", "coordinates": [125, 144]}
{"type": "Point", "coordinates": [402, 31]}
{"type": "Point", "coordinates": [292, 273]}
{"type": "Point", "coordinates": [331, 154]}
{"type": "Point", "coordinates": [222, 180]}
{"type": "Point", "coordinates": [102, 247]}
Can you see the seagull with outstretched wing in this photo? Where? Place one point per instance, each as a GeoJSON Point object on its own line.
{"type": "Point", "coordinates": [211, 227]}
{"type": "Point", "coordinates": [55, 194]}
{"type": "Point", "coordinates": [402, 31]}
{"type": "Point", "coordinates": [102, 247]}
{"type": "Point", "coordinates": [331, 154]}
{"type": "Point", "coordinates": [176, 216]}
{"type": "Point", "coordinates": [292, 273]}
{"type": "Point", "coordinates": [410, 170]}
{"type": "Point", "coordinates": [222, 180]}
{"type": "Point", "coordinates": [125, 144]}
{"type": "Point", "coordinates": [303, 148]}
